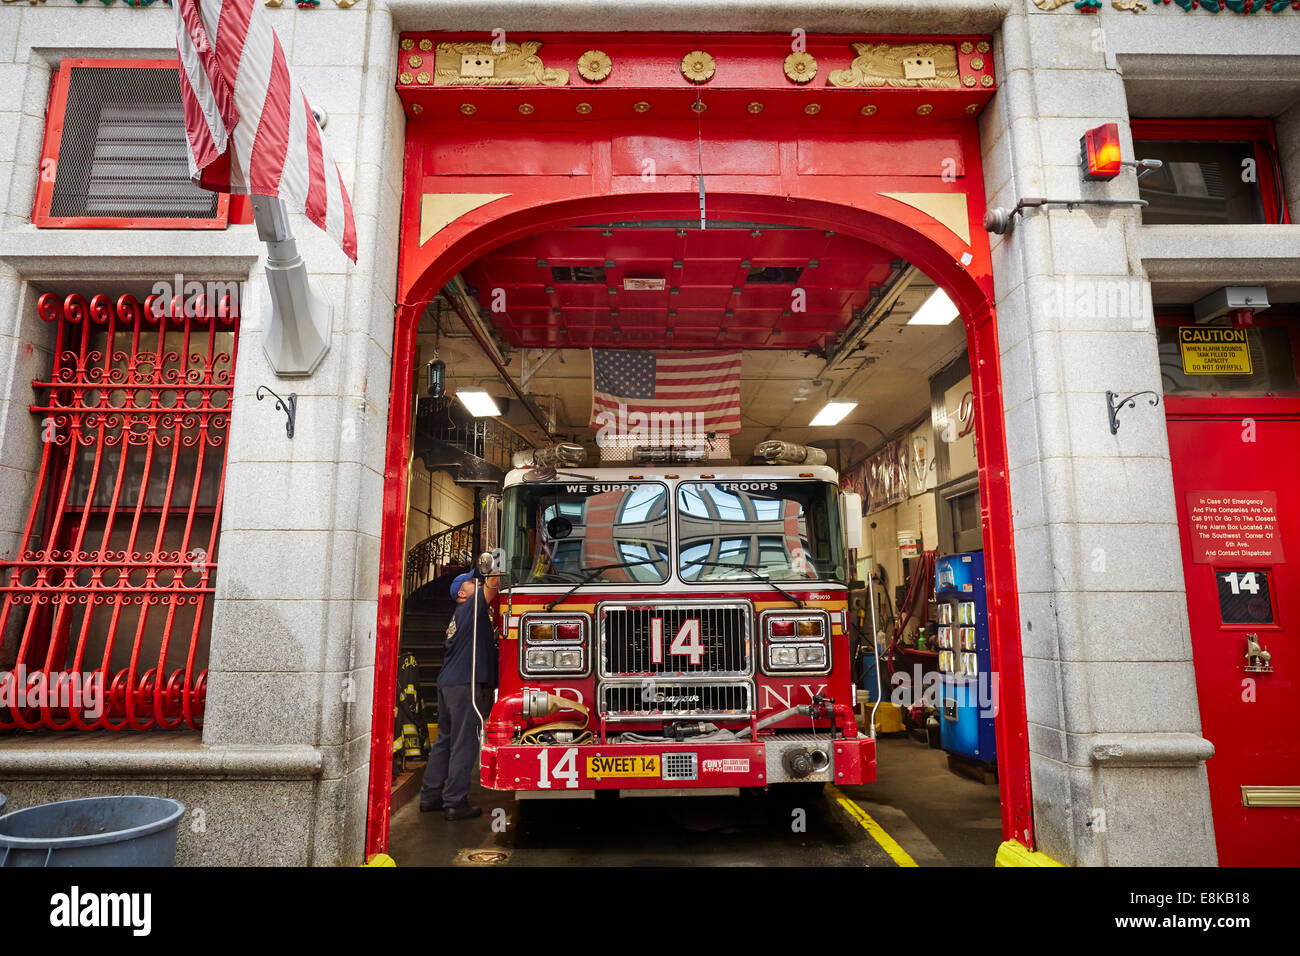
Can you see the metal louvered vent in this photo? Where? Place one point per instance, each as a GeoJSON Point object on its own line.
{"type": "Point", "coordinates": [122, 153]}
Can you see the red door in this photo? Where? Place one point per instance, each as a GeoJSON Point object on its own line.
{"type": "Point", "coordinates": [1236, 469]}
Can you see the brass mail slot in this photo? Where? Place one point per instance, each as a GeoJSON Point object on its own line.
{"type": "Point", "coordinates": [1270, 796]}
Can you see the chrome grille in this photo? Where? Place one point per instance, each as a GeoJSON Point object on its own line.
{"type": "Point", "coordinates": [672, 700]}
{"type": "Point", "coordinates": [625, 639]}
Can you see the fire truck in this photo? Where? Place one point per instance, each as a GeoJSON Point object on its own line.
{"type": "Point", "coordinates": [675, 627]}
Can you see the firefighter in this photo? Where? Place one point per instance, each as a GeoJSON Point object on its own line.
{"type": "Point", "coordinates": [466, 686]}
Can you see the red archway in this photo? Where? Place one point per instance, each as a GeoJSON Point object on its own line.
{"type": "Point", "coordinates": [454, 211]}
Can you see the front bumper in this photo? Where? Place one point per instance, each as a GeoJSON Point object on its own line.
{"type": "Point", "coordinates": [653, 766]}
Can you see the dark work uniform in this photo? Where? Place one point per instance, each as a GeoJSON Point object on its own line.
{"type": "Point", "coordinates": [454, 755]}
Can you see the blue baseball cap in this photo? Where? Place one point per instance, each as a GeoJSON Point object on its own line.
{"type": "Point", "coordinates": [461, 579]}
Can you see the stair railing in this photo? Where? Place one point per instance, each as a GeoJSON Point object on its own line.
{"type": "Point", "coordinates": [432, 556]}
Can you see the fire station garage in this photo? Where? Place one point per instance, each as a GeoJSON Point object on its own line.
{"type": "Point", "coordinates": [670, 437]}
{"type": "Point", "coordinates": [730, 434]}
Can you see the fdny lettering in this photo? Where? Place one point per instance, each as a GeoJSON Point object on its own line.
{"type": "Point", "coordinates": [772, 696]}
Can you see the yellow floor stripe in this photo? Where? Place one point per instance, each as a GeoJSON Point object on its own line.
{"type": "Point", "coordinates": [863, 819]}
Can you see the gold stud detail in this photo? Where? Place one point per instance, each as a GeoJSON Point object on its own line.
{"type": "Point", "coordinates": [982, 46]}
{"type": "Point", "coordinates": [967, 47]}
{"type": "Point", "coordinates": [976, 63]}
{"type": "Point", "coordinates": [426, 45]}
{"type": "Point", "coordinates": [527, 108]}
{"type": "Point", "coordinates": [698, 66]}
{"type": "Point", "coordinates": [986, 80]}
{"type": "Point", "coordinates": [800, 67]}
{"type": "Point", "coordinates": [408, 43]}
{"type": "Point", "coordinates": [968, 80]}
{"type": "Point", "coordinates": [583, 108]}
{"type": "Point", "coordinates": [405, 78]}
{"type": "Point", "coordinates": [812, 109]}
{"type": "Point", "coordinates": [699, 106]}
{"type": "Point", "coordinates": [422, 78]}
{"type": "Point", "coordinates": [415, 60]}
{"type": "Point", "coordinates": [469, 109]}
{"type": "Point", "coordinates": [869, 110]}
{"type": "Point", "coordinates": [925, 109]}
{"type": "Point", "coordinates": [417, 109]}
{"type": "Point", "coordinates": [594, 66]}
{"type": "Point", "coordinates": [972, 109]}
{"type": "Point", "coordinates": [755, 107]}
{"type": "Point", "coordinates": [642, 107]}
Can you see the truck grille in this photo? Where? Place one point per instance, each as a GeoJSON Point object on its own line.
{"type": "Point", "coordinates": [662, 700]}
{"type": "Point", "coordinates": [724, 631]}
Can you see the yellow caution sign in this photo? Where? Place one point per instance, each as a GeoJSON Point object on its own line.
{"type": "Point", "coordinates": [1214, 351]}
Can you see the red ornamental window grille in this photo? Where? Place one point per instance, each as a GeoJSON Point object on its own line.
{"type": "Point", "coordinates": [107, 606]}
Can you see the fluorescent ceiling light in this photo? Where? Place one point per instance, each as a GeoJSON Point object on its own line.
{"type": "Point", "coordinates": [833, 413]}
{"type": "Point", "coordinates": [478, 402]}
{"type": "Point", "coordinates": [936, 310]}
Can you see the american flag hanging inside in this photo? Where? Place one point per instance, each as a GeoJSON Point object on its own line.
{"type": "Point", "coordinates": [705, 385]}
{"type": "Point", "coordinates": [248, 125]}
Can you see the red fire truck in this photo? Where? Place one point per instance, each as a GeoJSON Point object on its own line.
{"type": "Point", "coordinates": [678, 628]}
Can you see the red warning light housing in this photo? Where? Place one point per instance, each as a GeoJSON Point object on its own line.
{"type": "Point", "coordinates": [1100, 153]}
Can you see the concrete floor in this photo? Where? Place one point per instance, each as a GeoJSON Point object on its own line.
{"type": "Point", "coordinates": [936, 817]}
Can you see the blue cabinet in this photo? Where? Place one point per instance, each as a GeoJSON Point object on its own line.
{"type": "Point", "coordinates": [967, 689]}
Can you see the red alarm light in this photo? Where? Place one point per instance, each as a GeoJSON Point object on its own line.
{"type": "Point", "coordinates": [1100, 153]}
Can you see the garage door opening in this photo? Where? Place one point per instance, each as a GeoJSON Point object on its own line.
{"type": "Point", "coordinates": [683, 521]}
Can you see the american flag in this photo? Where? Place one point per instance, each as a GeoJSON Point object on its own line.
{"type": "Point", "coordinates": [247, 122]}
{"type": "Point", "coordinates": [703, 383]}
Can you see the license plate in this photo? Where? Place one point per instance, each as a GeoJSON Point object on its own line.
{"type": "Point", "coordinates": [637, 766]}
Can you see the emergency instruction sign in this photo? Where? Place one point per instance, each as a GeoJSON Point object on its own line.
{"type": "Point", "coordinates": [1234, 527]}
{"type": "Point", "coordinates": [1214, 351]}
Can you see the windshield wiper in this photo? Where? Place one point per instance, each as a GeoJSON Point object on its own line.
{"type": "Point", "coordinates": [592, 573]}
{"type": "Point", "coordinates": [758, 575]}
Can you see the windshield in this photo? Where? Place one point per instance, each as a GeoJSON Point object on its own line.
{"type": "Point", "coordinates": [784, 530]}
{"type": "Point", "coordinates": [585, 531]}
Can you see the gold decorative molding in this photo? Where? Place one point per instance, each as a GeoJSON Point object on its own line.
{"type": "Point", "coordinates": [594, 66]}
{"type": "Point", "coordinates": [1050, 4]}
{"type": "Point", "coordinates": [466, 63]}
{"type": "Point", "coordinates": [1133, 6]}
{"type": "Point", "coordinates": [439, 210]}
{"type": "Point", "coordinates": [903, 65]}
{"type": "Point", "coordinates": [947, 209]}
{"type": "Point", "coordinates": [1270, 796]}
{"type": "Point", "coordinates": [800, 67]}
{"type": "Point", "coordinates": [698, 66]}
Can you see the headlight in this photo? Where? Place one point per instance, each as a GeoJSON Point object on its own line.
{"type": "Point", "coordinates": [815, 655]}
{"type": "Point", "coordinates": [553, 645]}
{"type": "Point", "coordinates": [569, 659]}
{"type": "Point", "coordinates": [541, 659]}
{"type": "Point", "coordinates": [783, 656]}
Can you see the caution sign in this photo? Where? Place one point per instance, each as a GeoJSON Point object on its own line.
{"type": "Point", "coordinates": [1214, 351]}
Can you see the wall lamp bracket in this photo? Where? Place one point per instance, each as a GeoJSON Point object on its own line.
{"type": "Point", "coordinates": [287, 405]}
{"type": "Point", "coordinates": [1000, 220]}
{"type": "Point", "coordinates": [1114, 406]}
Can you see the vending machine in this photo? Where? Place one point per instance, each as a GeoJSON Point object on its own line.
{"type": "Point", "coordinates": [967, 690]}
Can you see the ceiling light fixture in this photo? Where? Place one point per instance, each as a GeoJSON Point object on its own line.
{"type": "Point", "coordinates": [833, 413]}
{"type": "Point", "coordinates": [936, 310]}
{"type": "Point", "coordinates": [478, 402]}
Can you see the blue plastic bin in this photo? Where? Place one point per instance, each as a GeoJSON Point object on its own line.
{"type": "Point", "coordinates": [92, 831]}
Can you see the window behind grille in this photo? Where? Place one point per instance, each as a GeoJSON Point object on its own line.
{"type": "Point", "coordinates": [115, 151]}
{"type": "Point", "coordinates": [110, 587]}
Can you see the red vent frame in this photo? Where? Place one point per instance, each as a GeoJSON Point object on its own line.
{"type": "Point", "coordinates": [54, 122]}
{"type": "Point", "coordinates": [118, 553]}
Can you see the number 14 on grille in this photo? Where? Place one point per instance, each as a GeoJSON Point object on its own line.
{"type": "Point", "coordinates": [686, 643]}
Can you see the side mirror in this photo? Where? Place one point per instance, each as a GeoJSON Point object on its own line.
{"type": "Point", "coordinates": [851, 516]}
